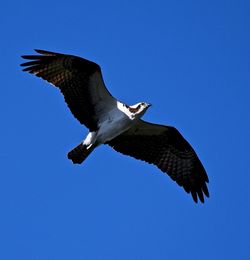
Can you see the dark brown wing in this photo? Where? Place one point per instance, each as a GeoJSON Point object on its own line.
{"type": "Point", "coordinates": [79, 80]}
{"type": "Point", "coordinates": [166, 148]}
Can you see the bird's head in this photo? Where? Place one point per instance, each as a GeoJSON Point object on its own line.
{"type": "Point", "coordinates": [139, 109]}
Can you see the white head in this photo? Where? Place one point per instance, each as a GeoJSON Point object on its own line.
{"type": "Point", "coordinates": [139, 109]}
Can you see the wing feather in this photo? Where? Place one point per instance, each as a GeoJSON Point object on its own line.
{"type": "Point", "coordinates": [79, 80]}
{"type": "Point", "coordinates": [166, 148]}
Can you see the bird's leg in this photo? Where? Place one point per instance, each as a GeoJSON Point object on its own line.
{"type": "Point", "coordinates": [90, 139]}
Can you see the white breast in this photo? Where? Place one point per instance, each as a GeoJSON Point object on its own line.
{"type": "Point", "coordinates": [117, 121]}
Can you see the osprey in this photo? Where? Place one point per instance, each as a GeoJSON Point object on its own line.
{"type": "Point", "coordinates": [114, 123]}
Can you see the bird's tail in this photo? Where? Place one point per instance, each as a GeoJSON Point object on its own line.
{"type": "Point", "coordinates": [80, 153]}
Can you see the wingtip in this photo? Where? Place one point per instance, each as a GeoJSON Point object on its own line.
{"type": "Point", "coordinates": [26, 57]}
{"type": "Point", "coordinates": [39, 51]}
{"type": "Point", "coordinates": [194, 196]}
{"type": "Point", "coordinates": [205, 190]}
{"type": "Point", "coordinates": [47, 53]}
{"type": "Point", "coordinates": [200, 195]}
{"type": "Point", "coordinates": [27, 69]}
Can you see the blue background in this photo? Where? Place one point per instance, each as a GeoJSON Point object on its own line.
{"type": "Point", "coordinates": [190, 59]}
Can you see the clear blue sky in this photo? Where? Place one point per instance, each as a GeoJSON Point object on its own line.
{"type": "Point", "coordinates": [190, 59]}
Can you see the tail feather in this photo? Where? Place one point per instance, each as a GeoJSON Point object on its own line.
{"type": "Point", "coordinates": [79, 153]}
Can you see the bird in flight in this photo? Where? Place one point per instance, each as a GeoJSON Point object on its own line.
{"type": "Point", "coordinates": [117, 124]}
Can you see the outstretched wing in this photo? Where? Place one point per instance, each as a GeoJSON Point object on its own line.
{"type": "Point", "coordinates": [166, 148]}
{"type": "Point", "coordinates": [79, 80]}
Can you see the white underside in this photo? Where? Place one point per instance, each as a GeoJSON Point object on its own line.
{"type": "Point", "coordinates": [117, 121]}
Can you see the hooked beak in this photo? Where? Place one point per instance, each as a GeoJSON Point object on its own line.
{"type": "Point", "coordinates": [149, 105]}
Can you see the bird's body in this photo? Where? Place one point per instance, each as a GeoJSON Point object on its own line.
{"type": "Point", "coordinates": [118, 120]}
{"type": "Point", "coordinates": [114, 123]}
